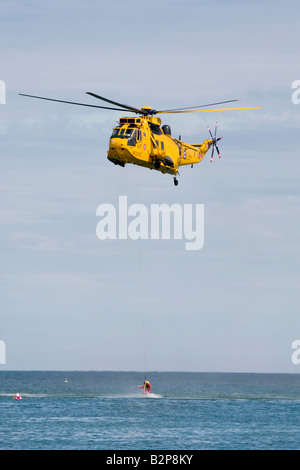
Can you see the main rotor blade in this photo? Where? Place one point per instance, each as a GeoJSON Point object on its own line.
{"type": "Point", "coordinates": [196, 107]}
{"type": "Point", "coordinates": [71, 102]}
{"type": "Point", "coordinates": [125, 106]}
{"type": "Point", "coordinates": [205, 110]}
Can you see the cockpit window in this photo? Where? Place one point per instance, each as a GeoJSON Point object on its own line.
{"type": "Point", "coordinates": [128, 133]}
{"type": "Point", "coordinates": [123, 133]}
{"type": "Point", "coordinates": [115, 132]}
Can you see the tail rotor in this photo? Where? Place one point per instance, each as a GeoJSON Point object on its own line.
{"type": "Point", "coordinates": [214, 142]}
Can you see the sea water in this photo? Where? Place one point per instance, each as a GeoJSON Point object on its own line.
{"type": "Point", "coordinates": [186, 411]}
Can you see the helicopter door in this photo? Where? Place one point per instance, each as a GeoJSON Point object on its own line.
{"type": "Point", "coordinates": [138, 140]}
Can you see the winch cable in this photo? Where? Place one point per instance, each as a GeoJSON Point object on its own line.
{"type": "Point", "coordinates": [142, 293]}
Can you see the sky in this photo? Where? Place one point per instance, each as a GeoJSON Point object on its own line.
{"type": "Point", "coordinates": [70, 301]}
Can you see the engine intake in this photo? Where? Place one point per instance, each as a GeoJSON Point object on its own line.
{"type": "Point", "coordinates": [166, 129]}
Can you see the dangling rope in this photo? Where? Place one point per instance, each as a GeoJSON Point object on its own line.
{"type": "Point", "coordinates": [142, 284]}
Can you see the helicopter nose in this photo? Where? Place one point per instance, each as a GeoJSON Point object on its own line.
{"type": "Point", "coordinates": [117, 148]}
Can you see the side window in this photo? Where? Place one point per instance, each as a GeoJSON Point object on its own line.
{"type": "Point", "coordinates": [115, 132]}
{"type": "Point", "coordinates": [162, 145]}
{"type": "Point", "coordinates": [132, 140]}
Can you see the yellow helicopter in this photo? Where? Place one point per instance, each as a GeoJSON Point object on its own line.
{"type": "Point", "coordinates": [142, 141]}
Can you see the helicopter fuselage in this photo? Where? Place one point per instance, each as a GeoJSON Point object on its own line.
{"type": "Point", "coordinates": [142, 141]}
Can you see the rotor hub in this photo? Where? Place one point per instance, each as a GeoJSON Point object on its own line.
{"type": "Point", "coordinates": [148, 111]}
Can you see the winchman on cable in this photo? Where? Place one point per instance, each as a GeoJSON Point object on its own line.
{"type": "Point", "coordinates": [146, 387]}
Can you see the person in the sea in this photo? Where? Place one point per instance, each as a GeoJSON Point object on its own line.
{"type": "Point", "coordinates": [17, 397]}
